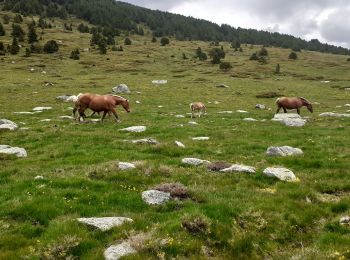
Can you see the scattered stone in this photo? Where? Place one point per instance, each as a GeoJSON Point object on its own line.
{"type": "Point", "coordinates": [66, 117]}
{"type": "Point", "coordinates": [137, 102]}
{"type": "Point", "coordinates": [347, 105]}
{"type": "Point", "coordinates": [39, 177]}
{"type": "Point", "coordinates": [19, 152]}
{"type": "Point", "coordinates": [7, 125]}
{"type": "Point", "coordinates": [176, 190]}
{"type": "Point", "coordinates": [331, 114]}
{"type": "Point", "coordinates": [179, 116]}
{"type": "Point", "coordinates": [122, 88]}
{"type": "Point", "coordinates": [280, 173]}
{"type": "Point", "coordinates": [225, 112]}
{"type": "Point", "coordinates": [179, 144]}
{"type": "Point", "coordinates": [160, 106]}
{"type": "Point", "coordinates": [289, 119]}
{"type": "Point", "coordinates": [27, 113]}
{"type": "Point", "coordinates": [45, 120]}
{"type": "Point", "coordinates": [134, 129]}
{"type": "Point", "coordinates": [145, 141]}
{"type": "Point", "coordinates": [159, 81]}
{"type": "Point", "coordinates": [105, 223]}
{"type": "Point", "coordinates": [345, 221]}
{"type": "Point", "coordinates": [218, 166]}
{"type": "Point", "coordinates": [24, 128]}
{"type": "Point", "coordinates": [260, 106]}
{"type": "Point", "coordinates": [192, 123]}
{"type": "Point", "coordinates": [347, 89]}
{"type": "Point", "coordinates": [67, 98]}
{"type": "Point", "coordinates": [155, 197]}
{"type": "Point", "coordinates": [118, 251]}
{"type": "Point", "coordinates": [201, 138]}
{"type": "Point", "coordinates": [249, 119]}
{"type": "Point", "coordinates": [126, 166]}
{"type": "Point", "coordinates": [324, 81]}
{"type": "Point", "coordinates": [194, 161]}
{"type": "Point", "coordinates": [222, 86]}
{"type": "Point", "coordinates": [283, 151]}
{"type": "Point", "coordinates": [241, 111]}
{"type": "Point", "coordinates": [216, 102]}
{"type": "Point", "coordinates": [239, 168]}
{"type": "Point", "coordinates": [41, 108]}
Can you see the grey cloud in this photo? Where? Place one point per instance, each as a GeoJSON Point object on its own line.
{"type": "Point", "coordinates": [157, 4]}
{"type": "Point", "coordinates": [336, 27]}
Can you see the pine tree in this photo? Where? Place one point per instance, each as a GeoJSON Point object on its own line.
{"type": "Point", "coordinates": [28, 53]}
{"type": "Point", "coordinates": [14, 48]}
{"type": "Point", "coordinates": [102, 46]}
{"type": "Point", "coordinates": [51, 46]}
{"type": "Point", "coordinates": [278, 69]}
{"type": "Point", "coordinates": [17, 32]}
{"type": "Point", "coordinates": [32, 36]}
{"type": "Point", "coordinates": [164, 41]}
{"type": "Point", "coordinates": [6, 19]}
{"type": "Point", "coordinates": [127, 41]}
{"type": "Point", "coordinates": [2, 30]}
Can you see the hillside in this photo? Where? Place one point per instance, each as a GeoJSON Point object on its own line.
{"type": "Point", "coordinates": [71, 169]}
{"type": "Point", "coordinates": [112, 14]}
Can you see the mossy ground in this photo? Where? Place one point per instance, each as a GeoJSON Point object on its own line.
{"type": "Point", "coordinates": [248, 216]}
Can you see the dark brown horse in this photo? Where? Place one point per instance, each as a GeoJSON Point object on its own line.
{"type": "Point", "coordinates": [293, 103]}
{"type": "Point", "coordinates": [101, 103]}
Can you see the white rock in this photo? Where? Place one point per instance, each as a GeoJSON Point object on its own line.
{"type": "Point", "coordinates": [137, 102]}
{"type": "Point", "coordinates": [347, 105]}
{"type": "Point", "coordinates": [41, 108]}
{"type": "Point", "coordinates": [192, 123]}
{"type": "Point", "coordinates": [7, 125]}
{"type": "Point", "coordinates": [155, 197]}
{"type": "Point", "coordinates": [338, 106]}
{"type": "Point", "coordinates": [126, 166]}
{"type": "Point", "coordinates": [222, 86]}
{"type": "Point", "coordinates": [283, 151]}
{"type": "Point", "coordinates": [26, 113]}
{"type": "Point", "coordinates": [19, 152]}
{"type": "Point", "coordinates": [105, 223]}
{"type": "Point", "coordinates": [260, 106]}
{"type": "Point", "coordinates": [345, 221]}
{"type": "Point", "coordinates": [122, 88]}
{"type": "Point", "coordinates": [249, 119]}
{"type": "Point", "coordinates": [239, 168]}
{"type": "Point", "coordinates": [67, 98]}
{"type": "Point", "coordinates": [160, 106]}
{"type": "Point", "coordinates": [216, 102]}
{"type": "Point", "coordinates": [179, 144]}
{"type": "Point", "coordinates": [225, 112]}
{"type": "Point", "coordinates": [39, 177]}
{"type": "Point", "coordinates": [134, 129]}
{"type": "Point", "coordinates": [66, 117]}
{"type": "Point", "coordinates": [95, 120]}
{"type": "Point", "coordinates": [201, 138]}
{"type": "Point", "coordinates": [145, 141]}
{"type": "Point", "coordinates": [280, 173]}
{"type": "Point", "coordinates": [331, 114]}
{"type": "Point", "coordinates": [179, 116]}
{"type": "Point", "coordinates": [241, 111]}
{"type": "Point", "coordinates": [45, 120]}
{"type": "Point", "coordinates": [289, 119]}
{"type": "Point", "coordinates": [194, 161]}
{"type": "Point", "coordinates": [160, 81]}
{"type": "Point", "coordinates": [118, 251]}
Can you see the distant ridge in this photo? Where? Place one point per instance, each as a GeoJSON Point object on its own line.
{"type": "Point", "coordinates": [124, 16]}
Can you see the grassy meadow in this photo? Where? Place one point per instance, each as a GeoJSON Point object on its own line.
{"type": "Point", "coordinates": [245, 216]}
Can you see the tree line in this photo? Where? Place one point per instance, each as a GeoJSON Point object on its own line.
{"type": "Point", "coordinates": [123, 16]}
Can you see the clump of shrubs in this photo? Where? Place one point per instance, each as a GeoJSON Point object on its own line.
{"type": "Point", "coordinates": [117, 48]}
{"type": "Point", "coordinates": [75, 54]}
{"type": "Point", "coordinates": [51, 46]}
{"type": "Point", "coordinates": [127, 41]}
{"type": "Point", "coordinates": [293, 56]}
{"type": "Point", "coordinates": [164, 41]}
{"type": "Point", "coordinates": [226, 66]}
{"type": "Point", "coordinates": [196, 225]}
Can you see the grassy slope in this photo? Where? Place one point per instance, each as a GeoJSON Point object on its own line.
{"type": "Point", "coordinates": [78, 161]}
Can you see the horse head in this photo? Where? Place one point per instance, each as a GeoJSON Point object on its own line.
{"type": "Point", "coordinates": [307, 104]}
{"type": "Point", "coordinates": [122, 101]}
{"type": "Point", "coordinates": [125, 105]}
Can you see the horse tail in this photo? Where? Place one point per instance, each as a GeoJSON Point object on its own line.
{"type": "Point", "coordinates": [191, 106]}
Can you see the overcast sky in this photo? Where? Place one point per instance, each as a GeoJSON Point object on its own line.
{"type": "Point", "coordinates": [326, 20]}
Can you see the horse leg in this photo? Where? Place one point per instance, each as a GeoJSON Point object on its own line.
{"type": "Point", "coordinates": [103, 116]}
{"type": "Point", "coordinates": [115, 114]}
{"type": "Point", "coordinates": [298, 110]}
{"type": "Point", "coordinates": [278, 109]}
{"type": "Point", "coordinates": [191, 114]}
{"type": "Point", "coordinates": [81, 112]}
{"type": "Point", "coordinates": [285, 110]}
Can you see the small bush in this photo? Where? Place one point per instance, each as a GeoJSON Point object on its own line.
{"type": "Point", "coordinates": [127, 41]}
{"type": "Point", "coordinates": [254, 56]}
{"type": "Point", "coordinates": [36, 48]}
{"type": "Point", "coordinates": [28, 53]}
{"type": "Point", "coordinates": [262, 60]}
{"type": "Point", "coordinates": [176, 190]}
{"type": "Point", "coordinates": [6, 19]}
{"type": "Point", "coordinates": [164, 41]}
{"type": "Point", "coordinates": [154, 39]}
{"type": "Point", "coordinates": [14, 48]}
{"type": "Point", "coordinates": [196, 225]}
{"type": "Point", "coordinates": [184, 56]}
{"type": "Point", "coordinates": [226, 66]}
{"type": "Point", "coordinates": [348, 59]}
{"type": "Point", "coordinates": [263, 52]}
{"type": "Point", "coordinates": [293, 56]}
{"type": "Point", "coordinates": [278, 69]}
{"type": "Point", "coordinates": [51, 46]}
{"type": "Point", "coordinates": [75, 54]}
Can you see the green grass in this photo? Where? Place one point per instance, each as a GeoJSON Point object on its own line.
{"type": "Point", "coordinates": [79, 161]}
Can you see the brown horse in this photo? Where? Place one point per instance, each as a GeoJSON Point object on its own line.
{"type": "Point", "coordinates": [101, 103]}
{"type": "Point", "coordinates": [199, 107]}
{"type": "Point", "coordinates": [85, 97]}
{"type": "Point", "coordinates": [293, 103]}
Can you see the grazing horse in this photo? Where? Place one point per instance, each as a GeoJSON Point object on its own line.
{"type": "Point", "coordinates": [292, 103]}
{"type": "Point", "coordinates": [77, 101]}
{"type": "Point", "coordinates": [102, 103]}
{"type": "Point", "coordinates": [199, 107]}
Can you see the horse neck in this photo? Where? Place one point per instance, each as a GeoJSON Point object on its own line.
{"type": "Point", "coordinates": [304, 102]}
{"type": "Point", "coordinates": [118, 100]}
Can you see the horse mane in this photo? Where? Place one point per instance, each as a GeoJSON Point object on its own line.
{"type": "Point", "coordinates": [305, 100]}
{"type": "Point", "coordinates": [124, 99]}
